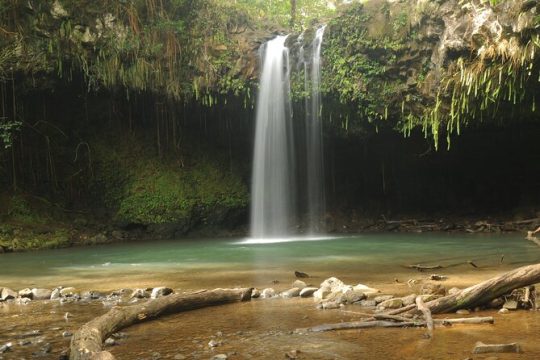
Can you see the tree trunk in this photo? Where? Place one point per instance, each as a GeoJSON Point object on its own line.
{"type": "Point", "coordinates": [86, 343]}
{"type": "Point", "coordinates": [486, 291]}
{"type": "Point", "coordinates": [293, 13]}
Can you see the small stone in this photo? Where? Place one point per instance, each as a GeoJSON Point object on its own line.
{"type": "Point", "coordinates": [220, 357]}
{"type": "Point", "coordinates": [352, 296]}
{"type": "Point", "coordinates": [67, 334]}
{"type": "Point", "coordinates": [214, 343]}
{"type": "Point", "coordinates": [365, 289]}
{"type": "Point", "coordinates": [299, 284]}
{"type": "Point", "coordinates": [463, 312]}
{"type": "Point", "coordinates": [395, 303]}
{"type": "Point", "coordinates": [160, 291]}
{"type": "Point", "coordinates": [26, 293]}
{"type": "Point", "coordinates": [504, 311]}
{"type": "Point", "coordinates": [294, 292]}
{"type": "Point", "coordinates": [510, 305]}
{"type": "Point", "coordinates": [433, 289]}
{"type": "Point", "coordinates": [322, 293]}
{"type": "Point", "coordinates": [255, 294]}
{"type": "Point", "coordinates": [307, 291]}
{"type": "Point", "coordinates": [68, 292]}
{"type": "Point", "coordinates": [110, 341]}
{"type": "Point", "coordinates": [138, 294]}
{"type": "Point", "coordinates": [367, 303]}
{"type": "Point", "coordinates": [6, 347]}
{"type": "Point", "coordinates": [55, 294]}
{"type": "Point", "coordinates": [481, 348]}
{"type": "Point", "coordinates": [382, 298]}
{"type": "Point", "coordinates": [268, 293]}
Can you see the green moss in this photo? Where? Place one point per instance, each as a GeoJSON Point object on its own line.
{"type": "Point", "coordinates": [141, 188]}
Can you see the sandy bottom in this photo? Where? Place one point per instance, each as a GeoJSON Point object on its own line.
{"type": "Point", "coordinates": [264, 329]}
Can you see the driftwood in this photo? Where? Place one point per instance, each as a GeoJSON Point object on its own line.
{"type": "Point", "coordinates": [485, 291]}
{"type": "Point", "coordinates": [399, 323]}
{"type": "Point", "coordinates": [427, 315]}
{"type": "Point", "coordinates": [481, 348]}
{"type": "Point", "coordinates": [87, 342]}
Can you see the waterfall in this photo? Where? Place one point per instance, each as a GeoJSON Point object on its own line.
{"type": "Point", "coordinates": [314, 141]}
{"type": "Point", "coordinates": [273, 187]}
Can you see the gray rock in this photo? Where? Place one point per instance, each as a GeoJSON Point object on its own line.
{"type": "Point", "coordinates": [382, 298]}
{"type": "Point", "coordinates": [268, 293]}
{"type": "Point", "coordinates": [307, 291]}
{"type": "Point", "coordinates": [41, 294]}
{"type": "Point", "coordinates": [6, 347]}
{"type": "Point", "coordinates": [160, 291]}
{"type": "Point", "coordinates": [139, 294]}
{"type": "Point", "coordinates": [367, 303]}
{"type": "Point", "coordinates": [510, 305]}
{"type": "Point", "coordinates": [299, 284]}
{"type": "Point", "coordinates": [56, 293]}
{"type": "Point", "coordinates": [26, 293]}
{"type": "Point", "coordinates": [68, 292]}
{"type": "Point", "coordinates": [322, 293]}
{"type": "Point", "coordinates": [395, 303]}
{"type": "Point", "coordinates": [333, 283]}
{"type": "Point", "coordinates": [353, 296]}
{"type": "Point", "coordinates": [92, 295]}
{"type": "Point", "coordinates": [67, 334]}
{"type": "Point", "coordinates": [8, 294]}
{"type": "Point", "coordinates": [481, 348]}
{"type": "Point", "coordinates": [294, 292]}
{"type": "Point", "coordinates": [214, 343]}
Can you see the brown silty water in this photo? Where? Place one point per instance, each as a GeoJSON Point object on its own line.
{"type": "Point", "coordinates": [264, 329]}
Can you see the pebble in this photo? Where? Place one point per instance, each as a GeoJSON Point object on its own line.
{"type": "Point", "coordinates": [463, 312]}
{"type": "Point", "coordinates": [220, 357]}
{"type": "Point", "coordinates": [110, 342]}
{"type": "Point", "coordinates": [308, 291]}
{"type": "Point", "coordinates": [214, 343]}
{"type": "Point", "coordinates": [504, 311]}
{"type": "Point", "coordinates": [67, 334]}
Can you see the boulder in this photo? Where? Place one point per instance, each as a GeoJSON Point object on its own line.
{"type": "Point", "coordinates": [322, 293]}
{"type": "Point", "coordinates": [307, 291]}
{"type": "Point", "coordinates": [394, 303]}
{"type": "Point", "coordinates": [56, 293]}
{"type": "Point", "coordinates": [367, 303]}
{"type": "Point", "coordinates": [334, 284]}
{"type": "Point", "coordinates": [433, 289]}
{"type": "Point", "coordinates": [7, 294]}
{"type": "Point", "coordinates": [268, 293]}
{"type": "Point", "coordinates": [299, 284]}
{"type": "Point", "coordinates": [294, 292]}
{"type": "Point", "coordinates": [41, 294]}
{"type": "Point", "coordinates": [160, 291]}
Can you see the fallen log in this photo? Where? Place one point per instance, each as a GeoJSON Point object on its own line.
{"type": "Point", "coordinates": [361, 325]}
{"type": "Point", "coordinates": [86, 343]}
{"type": "Point", "coordinates": [486, 291]}
{"type": "Point", "coordinates": [473, 320]}
{"type": "Point", "coordinates": [427, 315]}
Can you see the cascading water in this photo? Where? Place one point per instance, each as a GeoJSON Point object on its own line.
{"type": "Point", "coordinates": [314, 141]}
{"type": "Point", "coordinates": [272, 194]}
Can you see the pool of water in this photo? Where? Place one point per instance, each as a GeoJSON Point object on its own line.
{"type": "Point", "coordinates": [200, 263]}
